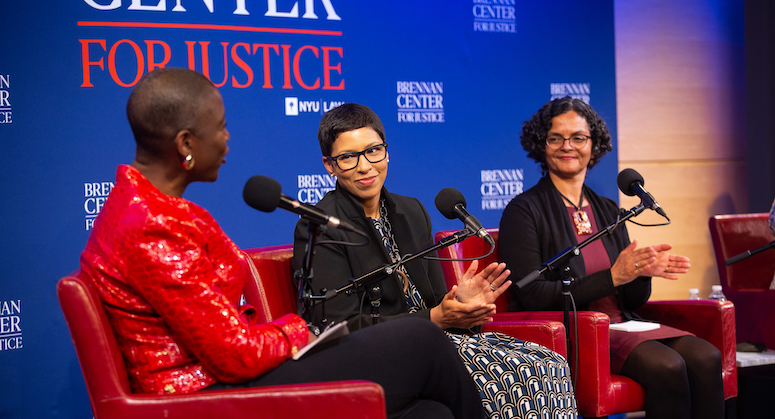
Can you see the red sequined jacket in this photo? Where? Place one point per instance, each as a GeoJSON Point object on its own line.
{"type": "Point", "coordinates": [171, 281]}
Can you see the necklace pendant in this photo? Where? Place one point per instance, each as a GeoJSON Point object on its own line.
{"type": "Point", "coordinates": [581, 219]}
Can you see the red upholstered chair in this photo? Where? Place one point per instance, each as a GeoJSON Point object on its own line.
{"type": "Point", "coordinates": [274, 263]}
{"type": "Point", "coordinates": [273, 293]}
{"type": "Point", "coordinates": [598, 392]}
{"type": "Point", "coordinates": [747, 283]}
{"type": "Point", "coordinates": [108, 385]}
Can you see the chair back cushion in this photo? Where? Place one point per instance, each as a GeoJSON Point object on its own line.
{"type": "Point", "coordinates": [735, 234]}
{"type": "Point", "coordinates": [272, 292]}
{"type": "Point", "coordinates": [95, 344]}
{"type": "Point", "coordinates": [468, 248]}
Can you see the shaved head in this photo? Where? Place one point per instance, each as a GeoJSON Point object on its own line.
{"type": "Point", "coordinates": [164, 102]}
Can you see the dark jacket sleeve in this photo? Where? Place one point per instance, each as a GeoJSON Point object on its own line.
{"type": "Point", "coordinates": [534, 228]}
{"type": "Point", "coordinates": [525, 242]}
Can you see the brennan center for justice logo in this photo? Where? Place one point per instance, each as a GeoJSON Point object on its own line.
{"type": "Point", "coordinates": [94, 194]}
{"type": "Point", "coordinates": [420, 101]}
{"type": "Point", "coordinates": [495, 16]}
{"type": "Point", "coordinates": [312, 188]}
{"type": "Point", "coordinates": [581, 91]}
{"type": "Point", "coordinates": [10, 325]}
{"type": "Point", "coordinates": [500, 186]}
{"type": "Point", "coordinates": [5, 99]}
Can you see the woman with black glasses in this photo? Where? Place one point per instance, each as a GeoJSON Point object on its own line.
{"type": "Point", "coordinates": [681, 373]}
{"type": "Point", "coordinates": [515, 378]}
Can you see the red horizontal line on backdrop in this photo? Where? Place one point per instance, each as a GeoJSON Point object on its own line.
{"type": "Point", "coordinates": [210, 27]}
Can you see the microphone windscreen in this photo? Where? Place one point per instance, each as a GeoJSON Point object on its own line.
{"type": "Point", "coordinates": [446, 201]}
{"type": "Point", "coordinates": [262, 193]}
{"type": "Point", "coordinates": [626, 179]}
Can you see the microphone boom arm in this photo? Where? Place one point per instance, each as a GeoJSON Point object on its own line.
{"type": "Point", "coordinates": [748, 253]}
{"type": "Point", "coordinates": [383, 271]}
{"type": "Point", "coordinates": [562, 258]}
{"type": "Point", "coordinates": [364, 280]}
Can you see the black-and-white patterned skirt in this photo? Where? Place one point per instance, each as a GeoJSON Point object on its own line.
{"type": "Point", "coordinates": [517, 379]}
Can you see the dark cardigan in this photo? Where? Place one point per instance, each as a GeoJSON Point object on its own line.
{"type": "Point", "coordinates": [535, 227]}
{"type": "Point", "coordinates": [335, 264]}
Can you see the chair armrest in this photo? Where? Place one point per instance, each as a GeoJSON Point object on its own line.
{"type": "Point", "coordinates": [550, 334]}
{"type": "Point", "coordinates": [593, 388]}
{"type": "Point", "coordinates": [350, 399]}
{"type": "Point", "coordinates": [711, 320]}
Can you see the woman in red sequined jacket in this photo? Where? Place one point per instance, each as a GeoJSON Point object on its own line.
{"type": "Point", "coordinates": [171, 279]}
{"type": "Point", "coordinates": [161, 263]}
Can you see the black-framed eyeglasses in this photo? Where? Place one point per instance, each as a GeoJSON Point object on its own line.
{"type": "Point", "coordinates": [349, 161]}
{"type": "Point", "coordinates": [576, 141]}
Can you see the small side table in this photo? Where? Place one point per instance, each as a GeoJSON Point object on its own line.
{"type": "Point", "coordinates": [756, 384]}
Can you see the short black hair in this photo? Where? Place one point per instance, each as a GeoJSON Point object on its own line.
{"type": "Point", "coordinates": [534, 130]}
{"type": "Point", "coordinates": [163, 102]}
{"type": "Point", "coordinates": [343, 118]}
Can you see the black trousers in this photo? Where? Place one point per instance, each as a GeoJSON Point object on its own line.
{"type": "Point", "coordinates": [682, 377]}
{"type": "Point", "coordinates": [412, 359]}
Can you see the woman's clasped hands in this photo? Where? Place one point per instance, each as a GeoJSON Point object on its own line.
{"type": "Point", "coordinates": [471, 302]}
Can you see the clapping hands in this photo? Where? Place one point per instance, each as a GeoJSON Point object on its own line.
{"type": "Point", "coordinates": [648, 261]}
{"type": "Point", "coordinates": [471, 302]}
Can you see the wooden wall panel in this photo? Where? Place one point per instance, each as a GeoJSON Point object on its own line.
{"type": "Point", "coordinates": [680, 105]}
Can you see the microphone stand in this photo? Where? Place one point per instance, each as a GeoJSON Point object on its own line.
{"type": "Point", "coordinates": [303, 277]}
{"type": "Point", "coordinates": [560, 263]}
{"type": "Point", "coordinates": [748, 253]}
{"type": "Point", "coordinates": [375, 276]}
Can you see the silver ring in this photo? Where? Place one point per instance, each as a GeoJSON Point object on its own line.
{"type": "Point", "coordinates": [636, 265]}
{"type": "Point", "coordinates": [493, 288]}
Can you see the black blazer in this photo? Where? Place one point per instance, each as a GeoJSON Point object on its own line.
{"type": "Point", "coordinates": [535, 227]}
{"type": "Point", "coordinates": [335, 264]}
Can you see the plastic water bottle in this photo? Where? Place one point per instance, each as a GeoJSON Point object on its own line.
{"type": "Point", "coordinates": [694, 294]}
{"type": "Point", "coordinates": [716, 293]}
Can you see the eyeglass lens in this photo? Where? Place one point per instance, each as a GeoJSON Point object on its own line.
{"type": "Point", "coordinates": [373, 154]}
{"type": "Point", "coordinates": [576, 141]}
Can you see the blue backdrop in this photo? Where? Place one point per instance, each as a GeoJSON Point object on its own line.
{"type": "Point", "coordinates": [452, 82]}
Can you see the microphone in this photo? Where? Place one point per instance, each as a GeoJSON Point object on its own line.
{"type": "Point", "coordinates": [452, 204]}
{"type": "Point", "coordinates": [631, 183]}
{"type": "Point", "coordinates": [264, 194]}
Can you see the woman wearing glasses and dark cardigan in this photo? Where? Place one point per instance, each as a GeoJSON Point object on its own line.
{"type": "Point", "coordinates": [515, 378]}
{"type": "Point", "coordinates": [681, 373]}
